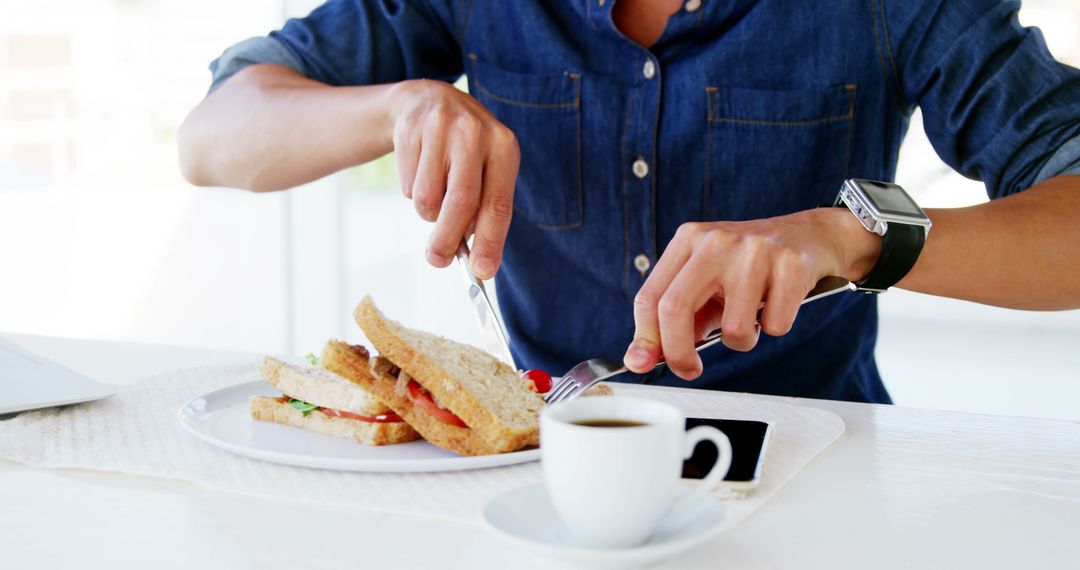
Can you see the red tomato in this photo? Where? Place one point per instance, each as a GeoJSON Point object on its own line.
{"type": "Point", "coordinates": [541, 380]}
{"type": "Point", "coordinates": [422, 398]}
{"type": "Point", "coordinates": [387, 418]}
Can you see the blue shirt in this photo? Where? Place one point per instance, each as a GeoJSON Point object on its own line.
{"type": "Point", "coordinates": [741, 110]}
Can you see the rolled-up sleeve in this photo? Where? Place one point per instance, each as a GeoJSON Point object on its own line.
{"type": "Point", "coordinates": [996, 104]}
{"type": "Point", "coordinates": [250, 52]}
{"type": "Point", "coordinates": [356, 42]}
{"type": "Point", "coordinates": [1065, 161]}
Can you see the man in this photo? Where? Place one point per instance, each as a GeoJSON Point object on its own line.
{"type": "Point", "coordinates": [663, 162]}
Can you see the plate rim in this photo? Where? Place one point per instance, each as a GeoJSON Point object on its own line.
{"type": "Point", "coordinates": [185, 416]}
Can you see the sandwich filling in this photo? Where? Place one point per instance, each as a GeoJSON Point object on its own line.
{"type": "Point", "coordinates": [306, 408]}
{"type": "Point", "coordinates": [423, 399]}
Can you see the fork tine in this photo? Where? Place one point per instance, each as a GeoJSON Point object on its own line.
{"type": "Point", "coordinates": [558, 394]}
{"type": "Point", "coordinates": [572, 392]}
{"type": "Point", "coordinates": [560, 384]}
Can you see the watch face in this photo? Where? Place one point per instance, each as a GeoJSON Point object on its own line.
{"type": "Point", "coordinates": [890, 199]}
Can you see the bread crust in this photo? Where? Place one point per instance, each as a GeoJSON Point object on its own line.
{"type": "Point", "coordinates": [430, 371]}
{"type": "Point", "coordinates": [268, 409]}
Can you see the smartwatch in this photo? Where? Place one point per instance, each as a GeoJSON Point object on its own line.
{"type": "Point", "coordinates": [887, 210]}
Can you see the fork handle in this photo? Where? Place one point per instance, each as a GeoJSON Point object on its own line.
{"type": "Point", "coordinates": [709, 340]}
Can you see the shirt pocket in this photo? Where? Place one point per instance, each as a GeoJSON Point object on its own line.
{"type": "Point", "coordinates": [544, 112]}
{"type": "Point", "coordinates": [770, 153]}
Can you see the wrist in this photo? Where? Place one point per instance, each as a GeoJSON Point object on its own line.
{"type": "Point", "coordinates": [858, 249]}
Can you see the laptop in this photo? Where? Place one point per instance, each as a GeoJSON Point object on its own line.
{"type": "Point", "coordinates": [29, 382]}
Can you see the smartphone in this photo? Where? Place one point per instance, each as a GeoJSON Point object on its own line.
{"type": "Point", "coordinates": [749, 439]}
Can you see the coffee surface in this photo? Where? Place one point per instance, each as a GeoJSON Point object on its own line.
{"type": "Point", "coordinates": [608, 423]}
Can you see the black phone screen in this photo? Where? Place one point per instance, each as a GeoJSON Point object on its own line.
{"type": "Point", "coordinates": [747, 441]}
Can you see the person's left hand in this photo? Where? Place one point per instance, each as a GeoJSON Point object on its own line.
{"type": "Point", "coordinates": [719, 274]}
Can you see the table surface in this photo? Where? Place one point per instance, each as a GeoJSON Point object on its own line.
{"type": "Point", "coordinates": [903, 488]}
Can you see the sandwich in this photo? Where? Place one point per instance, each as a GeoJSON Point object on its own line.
{"type": "Point", "coordinates": [317, 399]}
{"type": "Point", "coordinates": [456, 396]}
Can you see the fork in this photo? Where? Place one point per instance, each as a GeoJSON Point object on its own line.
{"type": "Point", "coordinates": [590, 372]}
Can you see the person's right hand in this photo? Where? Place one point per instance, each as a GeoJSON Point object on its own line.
{"type": "Point", "coordinates": [458, 164]}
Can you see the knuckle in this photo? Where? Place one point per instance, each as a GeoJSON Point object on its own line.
{"type": "Point", "coordinates": [644, 301]}
{"type": "Point", "coordinates": [426, 203]}
{"type": "Point", "coordinates": [671, 306]}
{"type": "Point", "coordinates": [439, 117]}
{"type": "Point", "coordinates": [502, 136]}
{"type": "Point", "coordinates": [485, 247]}
{"type": "Point", "coordinates": [462, 199]}
{"type": "Point", "coordinates": [741, 339]}
{"type": "Point", "coordinates": [467, 124]}
{"type": "Point", "coordinates": [793, 261]}
{"type": "Point", "coordinates": [500, 207]}
{"type": "Point", "coordinates": [719, 237]}
{"type": "Point", "coordinates": [688, 229]}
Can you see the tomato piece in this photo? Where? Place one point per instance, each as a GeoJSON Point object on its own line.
{"type": "Point", "coordinates": [541, 380]}
{"type": "Point", "coordinates": [422, 398]}
{"type": "Point", "coordinates": [387, 418]}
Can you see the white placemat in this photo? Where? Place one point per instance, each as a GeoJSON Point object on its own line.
{"type": "Point", "coordinates": [137, 432]}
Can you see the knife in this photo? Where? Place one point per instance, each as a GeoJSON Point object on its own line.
{"type": "Point", "coordinates": [491, 328]}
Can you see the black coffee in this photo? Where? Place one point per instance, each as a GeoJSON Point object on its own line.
{"type": "Point", "coordinates": [608, 423]}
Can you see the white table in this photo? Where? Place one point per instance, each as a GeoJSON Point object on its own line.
{"type": "Point", "coordinates": [902, 489]}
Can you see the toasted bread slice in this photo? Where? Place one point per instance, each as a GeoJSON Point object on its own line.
{"type": "Point", "coordinates": [383, 384]}
{"type": "Point", "coordinates": [320, 387]}
{"type": "Point", "coordinates": [481, 390]}
{"type": "Point", "coordinates": [368, 433]}
{"type": "Point", "coordinates": [350, 361]}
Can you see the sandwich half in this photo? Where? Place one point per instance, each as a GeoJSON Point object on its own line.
{"type": "Point", "coordinates": [457, 396]}
{"type": "Point", "coordinates": [319, 400]}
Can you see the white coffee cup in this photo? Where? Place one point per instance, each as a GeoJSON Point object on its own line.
{"type": "Point", "coordinates": [611, 486]}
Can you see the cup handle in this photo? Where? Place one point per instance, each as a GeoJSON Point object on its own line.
{"type": "Point", "coordinates": [719, 469]}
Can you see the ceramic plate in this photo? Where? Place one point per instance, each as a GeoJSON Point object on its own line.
{"type": "Point", "coordinates": [221, 418]}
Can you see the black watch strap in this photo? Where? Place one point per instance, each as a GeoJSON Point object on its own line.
{"type": "Point", "coordinates": [900, 248]}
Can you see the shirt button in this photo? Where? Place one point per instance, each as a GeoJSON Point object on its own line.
{"type": "Point", "coordinates": [692, 5]}
{"type": "Point", "coordinates": [649, 71]}
{"type": "Point", "coordinates": [642, 263]}
{"type": "Point", "coordinates": [640, 167]}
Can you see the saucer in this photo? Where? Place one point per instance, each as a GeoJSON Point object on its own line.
{"type": "Point", "coordinates": [526, 518]}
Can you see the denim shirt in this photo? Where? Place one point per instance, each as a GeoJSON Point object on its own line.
{"type": "Point", "coordinates": [741, 110]}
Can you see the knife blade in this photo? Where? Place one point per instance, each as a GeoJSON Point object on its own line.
{"type": "Point", "coordinates": [492, 332]}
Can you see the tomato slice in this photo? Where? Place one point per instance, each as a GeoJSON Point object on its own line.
{"type": "Point", "coordinates": [541, 380]}
{"type": "Point", "coordinates": [387, 418]}
{"type": "Point", "coordinates": [422, 398]}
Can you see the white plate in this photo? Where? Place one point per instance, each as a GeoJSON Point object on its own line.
{"type": "Point", "coordinates": [525, 517]}
{"type": "Point", "coordinates": [221, 418]}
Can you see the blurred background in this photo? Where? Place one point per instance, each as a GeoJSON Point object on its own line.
{"type": "Point", "coordinates": [101, 238]}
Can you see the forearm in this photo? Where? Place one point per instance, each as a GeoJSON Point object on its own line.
{"type": "Point", "coordinates": [1022, 251]}
{"type": "Point", "coordinates": [270, 128]}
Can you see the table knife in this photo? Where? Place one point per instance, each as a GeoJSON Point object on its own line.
{"type": "Point", "coordinates": [492, 331]}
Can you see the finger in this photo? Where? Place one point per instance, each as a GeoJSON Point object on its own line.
{"type": "Point", "coordinates": [407, 156]}
{"type": "Point", "coordinates": [787, 288]}
{"type": "Point", "coordinates": [496, 210]}
{"type": "Point", "coordinates": [691, 289]}
{"type": "Point", "coordinates": [459, 204]}
{"type": "Point", "coordinates": [708, 317]}
{"type": "Point", "coordinates": [741, 303]}
{"type": "Point", "coordinates": [429, 185]}
{"type": "Point", "coordinates": [644, 351]}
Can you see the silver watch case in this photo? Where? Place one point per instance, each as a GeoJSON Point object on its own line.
{"type": "Point", "coordinates": [868, 214]}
